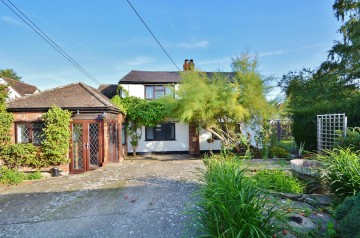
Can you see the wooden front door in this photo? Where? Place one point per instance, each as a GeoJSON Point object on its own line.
{"type": "Point", "coordinates": [86, 146]}
{"type": "Point", "coordinates": [113, 142]}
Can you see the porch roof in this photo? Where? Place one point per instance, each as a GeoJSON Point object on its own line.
{"type": "Point", "coordinates": [76, 96]}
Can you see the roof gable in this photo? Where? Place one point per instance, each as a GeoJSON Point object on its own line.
{"type": "Point", "coordinates": [21, 88]}
{"type": "Point", "coordinates": [72, 96]}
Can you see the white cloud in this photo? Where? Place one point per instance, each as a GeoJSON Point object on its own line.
{"type": "Point", "coordinates": [220, 61]}
{"type": "Point", "coordinates": [278, 52]}
{"type": "Point", "coordinates": [12, 21]}
{"type": "Point", "coordinates": [139, 61]}
{"type": "Point", "coordinates": [313, 46]}
{"type": "Point", "coordinates": [220, 64]}
{"type": "Point", "coordinates": [195, 45]}
{"type": "Point", "coordinates": [202, 44]}
{"type": "Point", "coordinates": [130, 64]}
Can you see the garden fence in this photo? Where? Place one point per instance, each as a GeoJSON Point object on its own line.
{"type": "Point", "coordinates": [282, 128]}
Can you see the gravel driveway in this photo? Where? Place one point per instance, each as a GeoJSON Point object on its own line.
{"type": "Point", "coordinates": [145, 197]}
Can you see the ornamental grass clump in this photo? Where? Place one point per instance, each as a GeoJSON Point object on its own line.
{"type": "Point", "coordinates": [231, 205]}
{"type": "Point", "coordinates": [343, 171]}
{"type": "Point", "coordinates": [278, 181]}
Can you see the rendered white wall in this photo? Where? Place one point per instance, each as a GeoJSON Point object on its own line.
{"type": "Point", "coordinates": [12, 93]}
{"type": "Point", "coordinates": [181, 142]}
{"type": "Point", "coordinates": [136, 90]}
{"type": "Point", "coordinates": [216, 145]}
{"type": "Point", "coordinates": [204, 145]}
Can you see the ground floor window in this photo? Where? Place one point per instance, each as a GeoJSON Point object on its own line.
{"type": "Point", "coordinates": [161, 132]}
{"type": "Point", "coordinates": [30, 133]}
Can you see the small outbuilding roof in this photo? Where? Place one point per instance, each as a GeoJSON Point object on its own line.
{"type": "Point", "coordinates": [109, 90]}
{"type": "Point", "coordinates": [76, 96]}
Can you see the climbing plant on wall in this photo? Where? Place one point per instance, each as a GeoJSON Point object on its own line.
{"type": "Point", "coordinates": [6, 119]}
{"type": "Point", "coordinates": [55, 145]}
{"type": "Point", "coordinates": [139, 112]}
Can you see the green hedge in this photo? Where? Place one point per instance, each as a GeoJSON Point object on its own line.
{"type": "Point", "coordinates": [304, 120]}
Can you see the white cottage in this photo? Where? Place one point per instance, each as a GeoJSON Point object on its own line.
{"type": "Point", "coordinates": [170, 136]}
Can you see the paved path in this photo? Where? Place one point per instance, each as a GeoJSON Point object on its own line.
{"type": "Point", "coordinates": [137, 198]}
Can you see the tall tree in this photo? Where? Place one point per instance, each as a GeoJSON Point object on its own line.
{"type": "Point", "coordinates": [219, 102]}
{"type": "Point", "coordinates": [9, 73]}
{"type": "Point", "coordinates": [344, 57]}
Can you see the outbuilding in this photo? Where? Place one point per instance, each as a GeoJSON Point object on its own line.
{"type": "Point", "coordinates": [97, 126]}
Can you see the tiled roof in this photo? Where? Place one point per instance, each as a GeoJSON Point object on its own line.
{"type": "Point", "coordinates": [72, 97]}
{"type": "Point", "coordinates": [141, 77]}
{"type": "Point", "coordinates": [21, 88]}
{"type": "Point", "coordinates": [109, 90]}
{"type": "Point", "coordinates": [158, 77]}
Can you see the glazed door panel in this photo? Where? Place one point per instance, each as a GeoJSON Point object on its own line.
{"type": "Point", "coordinates": [85, 146]}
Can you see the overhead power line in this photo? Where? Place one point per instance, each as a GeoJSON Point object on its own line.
{"type": "Point", "coordinates": [46, 38]}
{"type": "Point", "coordinates": [153, 34]}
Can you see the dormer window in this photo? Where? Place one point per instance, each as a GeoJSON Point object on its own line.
{"type": "Point", "coordinates": [157, 91]}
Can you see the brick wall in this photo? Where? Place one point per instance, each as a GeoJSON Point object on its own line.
{"type": "Point", "coordinates": [194, 145]}
{"type": "Point", "coordinates": [32, 117]}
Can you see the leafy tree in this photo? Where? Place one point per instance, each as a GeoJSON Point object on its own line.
{"type": "Point", "coordinates": [308, 87]}
{"type": "Point", "coordinates": [138, 113]}
{"type": "Point", "coordinates": [219, 102]}
{"type": "Point", "coordinates": [57, 135]}
{"type": "Point", "coordinates": [344, 57]}
{"type": "Point", "coordinates": [9, 73]}
{"type": "Point", "coordinates": [331, 88]}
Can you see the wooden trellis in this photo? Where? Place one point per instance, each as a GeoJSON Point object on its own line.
{"type": "Point", "coordinates": [328, 128]}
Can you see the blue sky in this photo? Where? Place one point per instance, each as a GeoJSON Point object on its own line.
{"type": "Point", "coordinates": [108, 40]}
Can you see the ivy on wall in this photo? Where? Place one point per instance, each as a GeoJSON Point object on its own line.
{"type": "Point", "coordinates": [55, 146]}
{"type": "Point", "coordinates": [6, 119]}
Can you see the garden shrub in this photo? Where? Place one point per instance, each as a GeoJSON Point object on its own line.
{"type": "Point", "coordinates": [10, 176]}
{"type": "Point", "coordinates": [343, 171]}
{"type": "Point", "coordinates": [286, 144]}
{"type": "Point", "coordinates": [352, 139]}
{"type": "Point", "coordinates": [278, 152]}
{"type": "Point", "coordinates": [16, 155]}
{"type": "Point", "coordinates": [278, 181]}
{"type": "Point", "coordinates": [34, 175]}
{"type": "Point", "coordinates": [348, 216]}
{"type": "Point", "coordinates": [231, 205]}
